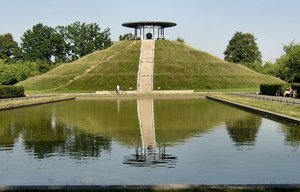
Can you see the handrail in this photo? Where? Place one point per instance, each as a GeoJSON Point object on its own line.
{"type": "Point", "coordinates": [152, 73]}
{"type": "Point", "coordinates": [28, 97]}
{"type": "Point", "coordinates": [140, 62]}
{"type": "Point", "coordinates": [279, 99]}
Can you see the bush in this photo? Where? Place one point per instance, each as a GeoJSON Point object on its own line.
{"type": "Point", "coordinates": [11, 91]}
{"type": "Point", "coordinates": [11, 73]}
{"type": "Point", "coordinates": [270, 89]}
{"type": "Point", "coordinates": [296, 86]}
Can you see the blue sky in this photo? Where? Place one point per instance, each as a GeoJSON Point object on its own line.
{"type": "Point", "coordinates": [207, 25]}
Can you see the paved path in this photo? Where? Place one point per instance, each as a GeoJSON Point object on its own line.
{"type": "Point", "coordinates": [145, 76]}
{"type": "Point", "coordinates": [280, 99]}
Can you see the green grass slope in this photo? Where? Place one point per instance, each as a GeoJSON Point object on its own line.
{"type": "Point", "coordinates": [101, 70]}
{"type": "Point", "coordinates": [178, 66]}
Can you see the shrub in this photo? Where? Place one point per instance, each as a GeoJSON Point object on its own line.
{"type": "Point", "coordinates": [270, 89]}
{"type": "Point", "coordinates": [296, 86]}
{"type": "Point", "coordinates": [11, 91]}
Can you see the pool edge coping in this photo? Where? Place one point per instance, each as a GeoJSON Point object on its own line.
{"type": "Point", "coordinates": [150, 187]}
{"type": "Point", "coordinates": [267, 113]}
{"type": "Point", "coordinates": [36, 103]}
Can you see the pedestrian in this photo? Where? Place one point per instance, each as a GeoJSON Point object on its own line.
{"type": "Point", "coordinates": [118, 89]}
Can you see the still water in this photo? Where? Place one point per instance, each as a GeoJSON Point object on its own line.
{"type": "Point", "coordinates": [145, 141]}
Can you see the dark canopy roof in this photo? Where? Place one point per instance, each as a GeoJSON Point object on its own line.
{"type": "Point", "coordinates": [149, 23]}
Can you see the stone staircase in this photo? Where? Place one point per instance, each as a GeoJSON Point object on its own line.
{"type": "Point", "coordinates": [145, 76]}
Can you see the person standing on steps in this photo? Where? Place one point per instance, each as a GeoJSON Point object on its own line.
{"type": "Point", "coordinates": [118, 89]}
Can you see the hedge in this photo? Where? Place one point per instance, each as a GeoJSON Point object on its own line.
{"type": "Point", "coordinates": [272, 89]}
{"type": "Point", "coordinates": [11, 91]}
{"type": "Point", "coordinates": [269, 89]}
{"type": "Point", "coordinates": [297, 88]}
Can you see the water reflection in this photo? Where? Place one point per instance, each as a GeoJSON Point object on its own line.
{"type": "Point", "coordinates": [148, 154]}
{"type": "Point", "coordinates": [244, 131]}
{"type": "Point", "coordinates": [42, 135]}
{"type": "Point", "coordinates": [86, 128]}
{"type": "Point", "coordinates": [292, 135]}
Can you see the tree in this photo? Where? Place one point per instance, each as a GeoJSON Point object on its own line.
{"type": "Point", "coordinates": [127, 36]}
{"type": "Point", "coordinates": [291, 60]}
{"type": "Point", "coordinates": [9, 48]}
{"type": "Point", "coordinates": [83, 39]}
{"type": "Point", "coordinates": [43, 43]}
{"type": "Point", "coordinates": [180, 40]}
{"type": "Point", "coordinates": [242, 48]}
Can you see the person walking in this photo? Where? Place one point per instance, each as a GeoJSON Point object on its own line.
{"type": "Point", "coordinates": [118, 89]}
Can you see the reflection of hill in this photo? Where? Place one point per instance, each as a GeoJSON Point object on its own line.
{"type": "Point", "coordinates": [175, 120]}
{"type": "Point", "coordinates": [44, 135]}
{"type": "Point", "coordinates": [111, 118]}
{"type": "Point", "coordinates": [292, 135]}
{"type": "Point", "coordinates": [73, 126]}
{"type": "Point", "coordinates": [180, 119]}
{"type": "Point", "coordinates": [243, 131]}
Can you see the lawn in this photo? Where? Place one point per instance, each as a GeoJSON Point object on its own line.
{"type": "Point", "coordinates": [281, 108]}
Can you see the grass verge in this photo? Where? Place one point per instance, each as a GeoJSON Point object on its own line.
{"type": "Point", "coordinates": [23, 102]}
{"type": "Point", "coordinates": [243, 90]}
{"type": "Point", "coordinates": [281, 108]}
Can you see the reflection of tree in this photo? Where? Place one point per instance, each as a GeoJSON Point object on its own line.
{"type": "Point", "coordinates": [78, 145]}
{"type": "Point", "coordinates": [292, 135]}
{"type": "Point", "coordinates": [87, 145]}
{"type": "Point", "coordinates": [8, 133]}
{"type": "Point", "coordinates": [244, 131]}
{"type": "Point", "coordinates": [43, 135]}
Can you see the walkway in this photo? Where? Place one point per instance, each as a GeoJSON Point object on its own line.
{"type": "Point", "coordinates": [280, 99]}
{"type": "Point", "coordinates": [145, 74]}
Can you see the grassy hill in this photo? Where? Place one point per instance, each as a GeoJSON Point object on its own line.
{"type": "Point", "coordinates": [177, 66]}
{"type": "Point", "coordinates": [101, 70]}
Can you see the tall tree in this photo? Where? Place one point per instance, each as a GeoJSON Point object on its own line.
{"type": "Point", "coordinates": [83, 38]}
{"type": "Point", "coordinates": [43, 43]}
{"type": "Point", "coordinates": [8, 47]}
{"type": "Point", "coordinates": [291, 61]}
{"type": "Point", "coordinates": [242, 48]}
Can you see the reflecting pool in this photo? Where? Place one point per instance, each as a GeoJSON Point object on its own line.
{"type": "Point", "coordinates": [145, 141]}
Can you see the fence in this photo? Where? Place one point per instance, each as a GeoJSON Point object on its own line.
{"type": "Point", "coordinates": [287, 100]}
{"type": "Point", "coordinates": [29, 97]}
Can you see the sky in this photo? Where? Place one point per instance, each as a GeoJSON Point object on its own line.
{"type": "Point", "coordinates": [207, 25]}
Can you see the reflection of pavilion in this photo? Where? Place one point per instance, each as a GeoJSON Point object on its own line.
{"type": "Point", "coordinates": [149, 154]}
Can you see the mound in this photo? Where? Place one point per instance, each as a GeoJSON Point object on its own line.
{"type": "Point", "coordinates": [177, 66]}
{"type": "Point", "coordinates": [101, 70]}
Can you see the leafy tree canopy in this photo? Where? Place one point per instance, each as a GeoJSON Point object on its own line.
{"type": "Point", "coordinates": [127, 36]}
{"type": "Point", "coordinates": [8, 47]}
{"type": "Point", "coordinates": [291, 61]}
{"type": "Point", "coordinates": [43, 43]}
{"type": "Point", "coordinates": [82, 38]}
{"type": "Point", "coordinates": [242, 48]}
{"type": "Point", "coordinates": [180, 40]}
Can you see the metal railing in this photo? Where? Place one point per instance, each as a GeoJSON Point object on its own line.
{"type": "Point", "coordinates": [279, 99]}
{"type": "Point", "coordinates": [140, 62]}
{"type": "Point", "coordinates": [29, 97]}
{"type": "Point", "coordinates": [152, 72]}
